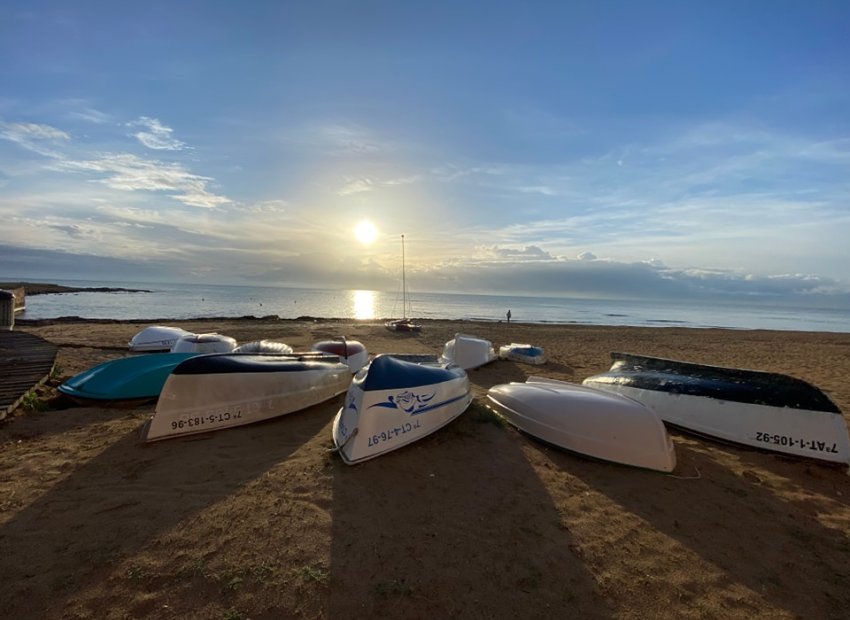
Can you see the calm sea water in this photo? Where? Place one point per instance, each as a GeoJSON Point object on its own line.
{"type": "Point", "coordinates": [187, 301]}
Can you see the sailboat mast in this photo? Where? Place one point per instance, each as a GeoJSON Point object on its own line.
{"type": "Point", "coordinates": [403, 283]}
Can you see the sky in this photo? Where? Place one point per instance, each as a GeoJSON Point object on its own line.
{"type": "Point", "coordinates": [675, 149]}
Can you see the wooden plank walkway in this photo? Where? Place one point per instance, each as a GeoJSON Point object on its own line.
{"type": "Point", "coordinates": [25, 362]}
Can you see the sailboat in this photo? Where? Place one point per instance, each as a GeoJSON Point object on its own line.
{"type": "Point", "coordinates": [403, 324]}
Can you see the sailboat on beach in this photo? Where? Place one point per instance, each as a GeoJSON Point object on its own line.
{"type": "Point", "coordinates": [403, 324]}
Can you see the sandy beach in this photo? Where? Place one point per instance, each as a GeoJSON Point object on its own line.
{"type": "Point", "coordinates": [474, 521]}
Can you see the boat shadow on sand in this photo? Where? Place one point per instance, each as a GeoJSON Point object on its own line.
{"type": "Point", "coordinates": [65, 415]}
{"type": "Point", "coordinates": [756, 536]}
{"type": "Point", "coordinates": [517, 371]}
{"type": "Point", "coordinates": [110, 519]}
{"type": "Point", "coordinates": [457, 524]}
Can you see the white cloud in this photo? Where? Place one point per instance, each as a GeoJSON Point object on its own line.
{"type": "Point", "coordinates": [529, 252]}
{"type": "Point", "coordinates": [338, 140]}
{"type": "Point", "coordinates": [158, 136]}
{"type": "Point", "coordinates": [34, 137]}
{"type": "Point", "coordinates": [403, 180]}
{"type": "Point", "coordinates": [270, 206]}
{"type": "Point", "coordinates": [356, 187]}
{"type": "Point", "coordinates": [538, 189]}
{"type": "Point", "coordinates": [366, 184]}
{"type": "Point", "coordinates": [130, 173]}
{"type": "Point", "coordinates": [587, 256]}
{"type": "Point", "coordinates": [92, 116]}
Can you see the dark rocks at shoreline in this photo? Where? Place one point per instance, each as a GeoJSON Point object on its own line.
{"type": "Point", "coordinates": [160, 321]}
{"type": "Point", "coordinates": [37, 288]}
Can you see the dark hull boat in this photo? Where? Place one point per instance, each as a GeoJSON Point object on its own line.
{"type": "Point", "coordinates": [754, 408]}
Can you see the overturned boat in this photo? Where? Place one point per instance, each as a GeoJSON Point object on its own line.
{"type": "Point", "coordinates": [156, 338]}
{"type": "Point", "coordinates": [468, 352]}
{"type": "Point", "coordinates": [525, 353]}
{"type": "Point", "coordinates": [204, 343]}
{"type": "Point", "coordinates": [587, 421]}
{"type": "Point", "coordinates": [211, 392]}
{"type": "Point", "coordinates": [351, 352]}
{"type": "Point", "coordinates": [264, 346]}
{"type": "Point", "coordinates": [395, 400]}
{"type": "Point", "coordinates": [761, 409]}
{"type": "Point", "coordinates": [125, 381]}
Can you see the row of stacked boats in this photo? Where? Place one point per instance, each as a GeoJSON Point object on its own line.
{"type": "Point", "coordinates": [392, 400]}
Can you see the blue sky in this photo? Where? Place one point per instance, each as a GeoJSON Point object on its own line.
{"type": "Point", "coordinates": [652, 149]}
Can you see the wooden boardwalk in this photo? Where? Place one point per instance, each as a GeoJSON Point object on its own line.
{"type": "Point", "coordinates": [25, 362]}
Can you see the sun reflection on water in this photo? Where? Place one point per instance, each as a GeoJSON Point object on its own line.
{"type": "Point", "coordinates": [364, 304]}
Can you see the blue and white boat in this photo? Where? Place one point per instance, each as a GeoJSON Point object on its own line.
{"type": "Point", "coordinates": [764, 410]}
{"type": "Point", "coordinates": [129, 380]}
{"type": "Point", "coordinates": [525, 353]}
{"type": "Point", "coordinates": [395, 400]}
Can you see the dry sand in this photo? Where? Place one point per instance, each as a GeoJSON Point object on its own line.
{"type": "Point", "coordinates": [475, 521]}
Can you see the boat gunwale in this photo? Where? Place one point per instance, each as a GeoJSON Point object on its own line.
{"type": "Point", "coordinates": [752, 387]}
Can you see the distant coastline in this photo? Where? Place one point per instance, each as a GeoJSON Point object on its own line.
{"type": "Point", "coordinates": [38, 288]}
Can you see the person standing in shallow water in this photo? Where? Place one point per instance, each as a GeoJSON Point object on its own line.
{"type": "Point", "coordinates": [508, 314]}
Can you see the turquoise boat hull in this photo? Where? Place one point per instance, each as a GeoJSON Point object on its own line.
{"type": "Point", "coordinates": [138, 378]}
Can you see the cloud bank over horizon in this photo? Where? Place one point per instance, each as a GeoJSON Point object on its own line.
{"type": "Point", "coordinates": [553, 277]}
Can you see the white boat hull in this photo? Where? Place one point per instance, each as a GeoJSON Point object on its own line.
{"type": "Point", "coordinates": [525, 353]}
{"type": "Point", "coordinates": [373, 422]}
{"type": "Point", "coordinates": [156, 338]}
{"type": "Point", "coordinates": [811, 434]}
{"type": "Point", "coordinates": [263, 346]}
{"type": "Point", "coordinates": [204, 343]}
{"type": "Point", "coordinates": [468, 352]}
{"type": "Point", "coordinates": [196, 403]}
{"type": "Point", "coordinates": [587, 421]}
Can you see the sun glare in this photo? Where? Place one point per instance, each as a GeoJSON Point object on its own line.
{"type": "Point", "coordinates": [364, 305]}
{"type": "Point", "coordinates": [365, 232]}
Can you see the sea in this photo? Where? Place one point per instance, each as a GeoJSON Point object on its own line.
{"type": "Point", "coordinates": [189, 301]}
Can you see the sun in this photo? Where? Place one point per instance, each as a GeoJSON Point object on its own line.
{"type": "Point", "coordinates": [365, 232]}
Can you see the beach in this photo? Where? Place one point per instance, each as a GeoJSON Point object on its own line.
{"type": "Point", "coordinates": [474, 521]}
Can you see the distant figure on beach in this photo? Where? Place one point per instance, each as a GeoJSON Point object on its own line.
{"type": "Point", "coordinates": [509, 316]}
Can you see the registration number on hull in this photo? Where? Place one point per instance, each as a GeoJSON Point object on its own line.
{"type": "Point", "coordinates": [796, 442]}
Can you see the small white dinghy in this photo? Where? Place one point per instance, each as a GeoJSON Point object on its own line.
{"type": "Point", "coordinates": [156, 338]}
{"type": "Point", "coordinates": [350, 352]}
{"type": "Point", "coordinates": [204, 343]}
{"type": "Point", "coordinates": [468, 352]}
{"type": "Point", "coordinates": [525, 353]}
{"type": "Point", "coordinates": [587, 421]}
{"type": "Point", "coordinates": [395, 400]}
{"type": "Point", "coordinates": [211, 392]}
{"type": "Point", "coordinates": [750, 407]}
